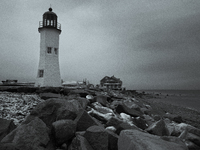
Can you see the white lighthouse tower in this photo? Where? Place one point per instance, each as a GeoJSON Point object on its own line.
{"type": "Point", "coordinates": [48, 71]}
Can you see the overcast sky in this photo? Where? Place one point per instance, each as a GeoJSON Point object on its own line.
{"type": "Point", "coordinates": [148, 44]}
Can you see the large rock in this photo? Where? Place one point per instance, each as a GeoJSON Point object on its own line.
{"type": "Point", "coordinates": [149, 120]}
{"type": "Point", "coordinates": [97, 106]}
{"type": "Point", "coordinates": [64, 130]}
{"type": "Point", "coordinates": [124, 126]}
{"type": "Point", "coordinates": [187, 136]}
{"type": "Point", "coordinates": [112, 140]}
{"type": "Point", "coordinates": [127, 118]}
{"type": "Point", "coordinates": [97, 137]}
{"type": "Point", "coordinates": [101, 99]}
{"type": "Point", "coordinates": [132, 105]}
{"type": "Point", "coordinates": [100, 116]}
{"type": "Point", "coordinates": [114, 121]}
{"type": "Point", "coordinates": [134, 139]}
{"type": "Point", "coordinates": [115, 103]}
{"type": "Point", "coordinates": [179, 128]}
{"type": "Point", "coordinates": [158, 128]}
{"type": "Point", "coordinates": [83, 102]}
{"type": "Point", "coordinates": [80, 143]}
{"type": "Point", "coordinates": [55, 109]}
{"type": "Point", "coordinates": [122, 108]}
{"type": "Point", "coordinates": [84, 121]}
{"type": "Point", "coordinates": [173, 117]}
{"type": "Point", "coordinates": [191, 145]}
{"type": "Point", "coordinates": [31, 136]}
{"type": "Point", "coordinates": [6, 126]}
{"type": "Point", "coordinates": [140, 123]}
{"type": "Point", "coordinates": [8, 146]}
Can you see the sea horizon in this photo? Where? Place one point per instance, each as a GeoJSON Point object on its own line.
{"type": "Point", "coordinates": [178, 92]}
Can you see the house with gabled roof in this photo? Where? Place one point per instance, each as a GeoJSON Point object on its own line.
{"type": "Point", "coordinates": [112, 83]}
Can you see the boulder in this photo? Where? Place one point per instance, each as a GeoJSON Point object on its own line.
{"type": "Point", "coordinates": [193, 138]}
{"type": "Point", "coordinates": [173, 117]}
{"type": "Point", "coordinates": [115, 103]}
{"type": "Point", "coordinates": [80, 133]}
{"type": "Point", "coordinates": [122, 108]}
{"type": "Point", "coordinates": [84, 121]}
{"type": "Point", "coordinates": [80, 143]}
{"type": "Point", "coordinates": [140, 123]}
{"type": "Point", "coordinates": [8, 146]}
{"type": "Point", "coordinates": [83, 102]}
{"type": "Point", "coordinates": [157, 117]}
{"type": "Point", "coordinates": [191, 145]}
{"type": "Point", "coordinates": [100, 116]}
{"type": "Point", "coordinates": [46, 96]}
{"type": "Point", "coordinates": [158, 128]}
{"type": "Point", "coordinates": [114, 121]}
{"type": "Point", "coordinates": [132, 105]}
{"type": "Point", "coordinates": [187, 136]}
{"type": "Point", "coordinates": [97, 106]}
{"type": "Point", "coordinates": [54, 109]}
{"type": "Point", "coordinates": [149, 120]}
{"type": "Point", "coordinates": [124, 126]}
{"type": "Point", "coordinates": [112, 140]}
{"type": "Point", "coordinates": [97, 137]}
{"type": "Point", "coordinates": [134, 139]}
{"type": "Point", "coordinates": [31, 136]}
{"type": "Point", "coordinates": [179, 128]}
{"type": "Point", "coordinates": [6, 126]}
{"type": "Point", "coordinates": [126, 118]}
{"type": "Point", "coordinates": [111, 128]}
{"type": "Point", "coordinates": [90, 97]}
{"type": "Point", "coordinates": [101, 99]}
{"type": "Point", "coordinates": [171, 128]}
{"type": "Point", "coordinates": [64, 130]}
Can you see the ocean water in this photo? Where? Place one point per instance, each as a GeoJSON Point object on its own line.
{"type": "Point", "coordinates": [174, 92]}
{"type": "Point", "coordinates": [185, 98]}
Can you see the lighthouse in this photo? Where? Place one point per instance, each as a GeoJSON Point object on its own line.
{"type": "Point", "coordinates": [48, 74]}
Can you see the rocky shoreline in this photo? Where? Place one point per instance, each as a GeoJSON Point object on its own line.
{"type": "Point", "coordinates": [49, 119]}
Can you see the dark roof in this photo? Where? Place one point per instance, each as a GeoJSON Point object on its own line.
{"type": "Point", "coordinates": [110, 78]}
{"type": "Point", "coordinates": [49, 12]}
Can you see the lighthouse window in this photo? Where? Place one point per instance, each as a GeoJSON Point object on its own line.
{"type": "Point", "coordinates": [56, 51]}
{"type": "Point", "coordinates": [49, 50]}
{"type": "Point", "coordinates": [54, 23]}
{"type": "Point", "coordinates": [40, 73]}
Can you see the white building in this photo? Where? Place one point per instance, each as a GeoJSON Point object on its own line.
{"type": "Point", "coordinates": [48, 70]}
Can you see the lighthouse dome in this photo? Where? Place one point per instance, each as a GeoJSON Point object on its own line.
{"type": "Point", "coordinates": [50, 20]}
{"type": "Point", "coordinates": [49, 14]}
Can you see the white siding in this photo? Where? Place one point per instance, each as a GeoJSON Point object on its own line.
{"type": "Point", "coordinates": [49, 62]}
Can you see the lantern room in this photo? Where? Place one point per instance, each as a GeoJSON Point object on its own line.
{"type": "Point", "coordinates": [49, 21]}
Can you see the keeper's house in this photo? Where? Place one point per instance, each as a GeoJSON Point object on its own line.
{"type": "Point", "coordinates": [112, 83]}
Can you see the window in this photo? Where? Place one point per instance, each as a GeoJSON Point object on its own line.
{"type": "Point", "coordinates": [56, 51]}
{"type": "Point", "coordinates": [40, 73]}
{"type": "Point", "coordinates": [54, 23]}
{"type": "Point", "coordinates": [49, 50]}
{"type": "Point", "coordinates": [45, 22]}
